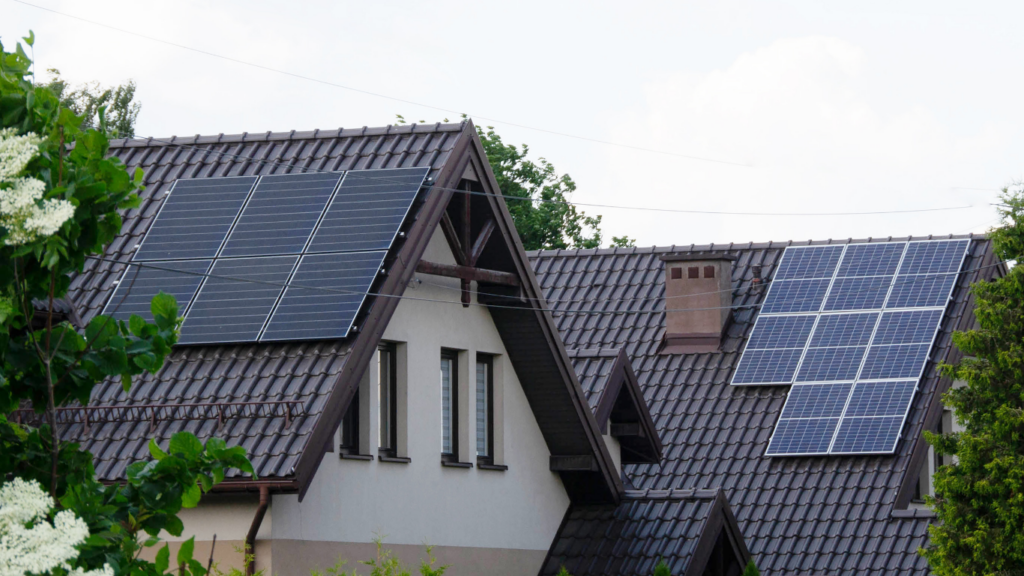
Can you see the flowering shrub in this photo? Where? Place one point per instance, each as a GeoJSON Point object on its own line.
{"type": "Point", "coordinates": [23, 212]}
{"type": "Point", "coordinates": [28, 543]}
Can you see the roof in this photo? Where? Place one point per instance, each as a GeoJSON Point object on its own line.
{"type": "Point", "coordinates": [284, 401]}
{"type": "Point", "coordinates": [235, 373]}
{"type": "Point", "coordinates": [798, 515]}
{"type": "Point", "coordinates": [679, 527]}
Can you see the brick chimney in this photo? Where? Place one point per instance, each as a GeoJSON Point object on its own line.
{"type": "Point", "coordinates": [698, 297]}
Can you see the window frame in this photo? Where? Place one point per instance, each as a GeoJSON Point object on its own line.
{"type": "Point", "coordinates": [488, 361]}
{"type": "Point", "coordinates": [391, 411]}
{"type": "Point", "coordinates": [349, 445]}
{"type": "Point", "coordinates": [451, 356]}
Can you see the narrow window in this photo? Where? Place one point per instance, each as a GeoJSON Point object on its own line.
{"type": "Point", "coordinates": [449, 405]}
{"type": "Point", "coordinates": [387, 394]}
{"type": "Point", "coordinates": [484, 407]}
{"type": "Point", "coordinates": [350, 427]}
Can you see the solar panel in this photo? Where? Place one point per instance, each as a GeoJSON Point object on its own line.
{"type": "Point", "coordinates": [866, 293]}
{"type": "Point", "coordinates": [234, 303]}
{"type": "Point", "coordinates": [786, 296]}
{"type": "Point", "coordinates": [139, 284]}
{"type": "Point", "coordinates": [367, 210]}
{"type": "Point", "coordinates": [767, 366]}
{"type": "Point", "coordinates": [803, 437]}
{"type": "Point", "coordinates": [867, 435]}
{"type": "Point", "coordinates": [771, 332]}
{"type": "Point", "coordinates": [280, 215]}
{"type": "Point", "coordinates": [831, 364]}
{"type": "Point", "coordinates": [879, 259]}
{"type": "Point", "coordinates": [194, 219]}
{"type": "Point", "coordinates": [809, 262]}
{"type": "Point", "coordinates": [305, 312]}
{"type": "Point", "coordinates": [844, 329]}
{"type": "Point", "coordinates": [872, 335]}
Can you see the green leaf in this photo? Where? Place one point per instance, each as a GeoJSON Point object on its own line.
{"type": "Point", "coordinates": [126, 382]}
{"type": "Point", "coordinates": [30, 39]}
{"type": "Point", "coordinates": [136, 324]}
{"type": "Point", "coordinates": [185, 552]}
{"type": "Point", "coordinates": [173, 526]}
{"type": "Point", "coordinates": [165, 310]}
{"type": "Point", "coordinates": [110, 361]}
{"type": "Point", "coordinates": [155, 451]}
{"type": "Point", "coordinates": [185, 444]}
{"type": "Point", "coordinates": [190, 498]}
{"type": "Point", "coordinates": [163, 559]}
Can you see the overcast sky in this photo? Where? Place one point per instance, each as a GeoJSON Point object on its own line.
{"type": "Point", "coordinates": [854, 107]}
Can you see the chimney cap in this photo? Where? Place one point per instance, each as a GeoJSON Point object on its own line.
{"type": "Point", "coordinates": [698, 257]}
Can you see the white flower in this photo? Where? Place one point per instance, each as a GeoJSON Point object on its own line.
{"type": "Point", "coordinates": [16, 152]}
{"type": "Point", "coordinates": [48, 219]}
{"type": "Point", "coordinates": [43, 547]}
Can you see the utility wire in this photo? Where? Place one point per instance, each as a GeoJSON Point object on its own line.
{"type": "Point", "coordinates": [376, 94]}
{"type": "Point", "coordinates": [327, 290]}
{"type": "Point", "coordinates": [565, 202]}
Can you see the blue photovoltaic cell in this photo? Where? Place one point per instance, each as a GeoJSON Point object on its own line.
{"type": "Point", "coordinates": [891, 362]}
{"type": "Point", "coordinates": [368, 210]}
{"type": "Point", "coordinates": [933, 257]}
{"type": "Point", "coordinates": [831, 364]}
{"type": "Point", "coordinates": [195, 218]}
{"type": "Point", "coordinates": [923, 291]}
{"type": "Point", "coordinates": [813, 262]}
{"type": "Point", "coordinates": [141, 283]}
{"type": "Point", "coordinates": [844, 329]}
{"type": "Point", "coordinates": [907, 327]}
{"type": "Point", "coordinates": [281, 214]}
{"type": "Point", "coordinates": [816, 400]}
{"type": "Point", "coordinates": [881, 398]}
{"type": "Point", "coordinates": [767, 366]}
{"type": "Point", "coordinates": [866, 293]}
{"type": "Point", "coordinates": [795, 296]}
{"type": "Point", "coordinates": [780, 332]}
{"type": "Point", "coordinates": [308, 313]}
{"type": "Point", "coordinates": [809, 436]}
{"type": "Point", "coordinates": [234, 303]}
{"type": "Point", "coordinates": [868, 435]}
{"type": "Point", "coordinates": [871, 259]}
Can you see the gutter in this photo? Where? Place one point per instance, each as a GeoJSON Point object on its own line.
{"type": "Point", "coordinates": [250, 538]}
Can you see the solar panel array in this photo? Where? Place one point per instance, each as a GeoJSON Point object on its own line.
{"type": "Point", "coordinates": [850, 327]}
{"type": "Point", "coordinates": [226, 248]}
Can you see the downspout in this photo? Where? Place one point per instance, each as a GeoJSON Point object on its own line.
{"type": "Point", "coordinates": [250, 538]}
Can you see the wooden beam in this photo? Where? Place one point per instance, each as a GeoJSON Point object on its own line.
{"type": "Point", "coordinates": [453, 238]}
{"type": "Point", "coordinates": [627, 429]}
{"type": "Point", "coordinates": [585, 463]}
{"type": "Point", "coordinates": [467, 273]}
{"type": "Point", "coordinates": [481, 242]}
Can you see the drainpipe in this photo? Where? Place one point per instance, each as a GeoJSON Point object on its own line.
{"type": "Point", "coordinates": [250, 538]}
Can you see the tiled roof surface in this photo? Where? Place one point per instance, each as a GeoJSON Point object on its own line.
{"type": "Point", "coordinates": [238, 373]}
{"type": "Point", "coordinates": [798, 515]}
{"type": "Point", "coordinates": [632, 537]}
{"type": "Point", "coordinates": [593, 368]}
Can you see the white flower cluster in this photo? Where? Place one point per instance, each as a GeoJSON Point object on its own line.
{"type": "Point", "coordinates": [42, 547]}
{"type": "Point", "coordinates": [20, 210]}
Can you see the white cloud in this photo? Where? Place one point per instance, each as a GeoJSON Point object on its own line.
{"type": "Point", "coordinates": [798, 111]}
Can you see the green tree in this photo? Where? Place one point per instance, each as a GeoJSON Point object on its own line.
{"type": "Point", "coordinates": [60, 202]}
{"type": "Point", "coordinates": [87, 99]}
{"type": "Point", "coordinates": [538, 197]}
{"type": "Point", "coordinates": [980, 499]}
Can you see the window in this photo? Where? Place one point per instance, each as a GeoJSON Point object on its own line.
{"type": "Point", "coordinates": [387, 398]}
{"type": "Point", "coordinates": [484, 407]}
{"type": "Point", "coordinates": [449, 405]}
{"type": "Point", "coordinates": [350, 427]}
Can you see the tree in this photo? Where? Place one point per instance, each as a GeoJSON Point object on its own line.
{"type": "Point", "coordinates": [60, 197]}
{"type": "Point", "coordinates": [979, 499]}
{"type": "Point", "coordinates": [87, 99]}
{"type": "Point", "coordinates": [539, 198]}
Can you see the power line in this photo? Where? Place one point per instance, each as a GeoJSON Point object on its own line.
{"type": "Point", "coordinates": [376, 94]}
{"type": "Point", "coordinates": [917, 278]}
{"type": "Point", "coordinates": [566, 202]}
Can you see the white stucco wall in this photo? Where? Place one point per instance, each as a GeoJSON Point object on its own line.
{"type": "Point", "coordinates": [422, 501]}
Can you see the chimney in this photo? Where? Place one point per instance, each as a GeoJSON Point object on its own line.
{"type": "Point", "coordinates": [698, 297]}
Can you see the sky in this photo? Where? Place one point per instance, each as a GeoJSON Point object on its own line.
{"type": "Point", "coordinates": [754, 108]}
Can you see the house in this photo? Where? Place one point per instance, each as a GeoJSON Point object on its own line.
{"type": "Point", "coordinates": [361, 316]}
{"type": "Point", "coordinates": [686, 316]}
